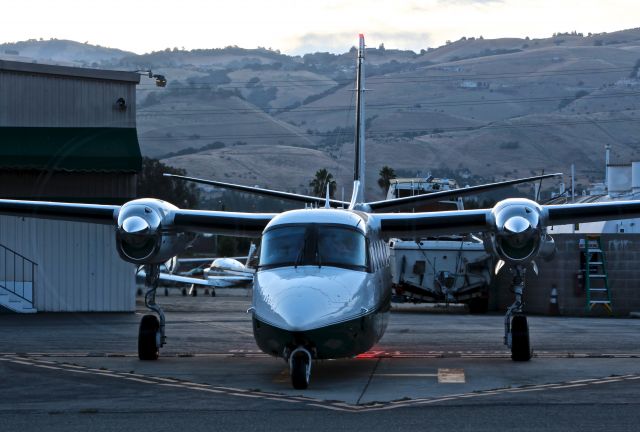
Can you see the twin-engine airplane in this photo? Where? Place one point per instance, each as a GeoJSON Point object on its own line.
{"type": "Point", "coordinates": [323, 287]}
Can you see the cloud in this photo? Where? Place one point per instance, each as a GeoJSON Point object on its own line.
{"type": "Point", "coordinates": [433, 5]}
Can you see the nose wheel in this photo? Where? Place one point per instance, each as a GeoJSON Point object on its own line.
{"type": "Point", "coordinates": [300, 368]}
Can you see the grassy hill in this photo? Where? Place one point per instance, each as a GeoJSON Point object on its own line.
{"type": "Point", "coordinates": [494, 108]}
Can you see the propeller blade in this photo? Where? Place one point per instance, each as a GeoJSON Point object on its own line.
{"type": "Point", "coordinates": [499, 265]}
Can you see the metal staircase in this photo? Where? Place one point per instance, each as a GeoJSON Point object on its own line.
{"type": "Point", "coordinates": [594, 267]}
{"type": "Point", "coordinates": [17, 281]}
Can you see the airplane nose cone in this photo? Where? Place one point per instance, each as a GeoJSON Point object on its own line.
{"type": "Point", "coordinates": [517, 224]}
{"type": "Point", "coordinates": [307, 299]}
{"type": "Point", "coordinates": [304, 309]}
{"type": "Point", "coordinates": [135, 225]}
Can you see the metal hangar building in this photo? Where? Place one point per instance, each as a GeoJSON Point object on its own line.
{"type": "Point", "coordinates": [66, 134]}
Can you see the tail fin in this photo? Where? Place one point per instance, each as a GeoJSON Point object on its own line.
{"type": "Point", "coordinates": [359, 166]}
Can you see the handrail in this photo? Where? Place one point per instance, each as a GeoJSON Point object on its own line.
{"type": "Point", "coordinates": [16, 253]}
{"type": "Point", "coordinates": [19, 264]}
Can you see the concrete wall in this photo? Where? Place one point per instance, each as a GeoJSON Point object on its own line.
{"type": "Point", "coordinates": [623, 266]}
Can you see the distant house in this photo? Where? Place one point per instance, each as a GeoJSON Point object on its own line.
{"type": "Point", "coordinates": [468, 84]}
{"type": "Point", "coordinates": [627, 82]}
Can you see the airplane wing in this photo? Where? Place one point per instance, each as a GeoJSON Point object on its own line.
{"type": "Point", "coordinates": [214, 281]}
{"type": "Point", "coordinates": [221, 222]}
{"type": "Point", "coordinates": [228, 281]}
{"type": "Point", "coordinates": [181, 279]}
{"type": "Point", "coordinates": [416, 225]}
{"type": "Point", "coordinates": [195, 260]}
{"type": "Point", "coordinates": [581, 213]}
{"type": "Point", "coordinates": [406, 203]}
{"type": "Point", "coordinates": [198, 221]}
{"type": "Point", "coordinates": [264, 192]}
{"type": "Point", "coordinates": [94, 213]}
{"type": "Point", "coordinates": [207, 260]}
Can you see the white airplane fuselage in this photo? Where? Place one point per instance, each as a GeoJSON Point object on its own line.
{"type": "Point", "coordinates": [330, 291]}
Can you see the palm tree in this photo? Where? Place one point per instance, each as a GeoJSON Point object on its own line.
{"type": "Point", "coordinates": [320, 181]}
{"type": "Point", "coordinates": [386, 174]}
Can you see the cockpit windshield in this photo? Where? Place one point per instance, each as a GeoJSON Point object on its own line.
{"type": "Point", "coordinates": [314, 244]}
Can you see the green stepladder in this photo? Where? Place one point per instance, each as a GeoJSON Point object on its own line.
{"type": "Point", "coordinates": [594, 268]}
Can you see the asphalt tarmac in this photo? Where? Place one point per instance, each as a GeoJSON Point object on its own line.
{"type": "Point", "coordinates": [431, 371]}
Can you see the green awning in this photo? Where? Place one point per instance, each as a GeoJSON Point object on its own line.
{"type": "Point", "coordinates": [70, 149]}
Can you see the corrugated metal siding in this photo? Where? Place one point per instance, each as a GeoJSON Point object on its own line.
{"type": "Point", "coordinates": [79, 269]}
{"type": "Point", "coordinates": [56, 101]}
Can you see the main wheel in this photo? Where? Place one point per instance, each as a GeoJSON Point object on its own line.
{"type": "Point", "coordinates": [299, 372]}
{"type": "Point", "coordinates": [520, 348]}
{"type": "Point", "coordinates": [213, 292]}
{"type": "Point", "coordinates": [148, 338]}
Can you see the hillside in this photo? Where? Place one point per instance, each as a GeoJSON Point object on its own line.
{"type": "Point", "coordinates": [59, 51]}
{"type": "Point", "coordinates": [494, 108]}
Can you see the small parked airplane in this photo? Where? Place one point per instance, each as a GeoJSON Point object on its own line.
{"type": "Point", "coordinates": [323, 286]}
{"type": "Point", "coordinates": [225, 272]}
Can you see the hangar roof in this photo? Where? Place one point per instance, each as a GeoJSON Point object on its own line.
{"type": "Point", "coordinates": [69, 71]}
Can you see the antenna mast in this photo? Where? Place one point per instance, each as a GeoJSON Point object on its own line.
{"type": "Point", "coordinates": [358, 169]}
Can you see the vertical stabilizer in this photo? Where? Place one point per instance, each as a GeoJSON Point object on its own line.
{"type": "Point", "coordinates": [359, 169]}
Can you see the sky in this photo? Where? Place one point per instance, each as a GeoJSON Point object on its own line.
{"type": "Point", "coordinates": [298, 27]}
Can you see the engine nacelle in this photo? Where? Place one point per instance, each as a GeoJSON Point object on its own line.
{"type": "Point", "coordinates": [145, 233]}
{"type": "Point", "coordinates": [519, 234]}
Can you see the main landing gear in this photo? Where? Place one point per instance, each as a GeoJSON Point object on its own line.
{"type": "Point", "coordinates": [151, 335]}
{"type": "Point", "coordinates": [516, 329]}
{"type": "Point", "coordinates": [299, 367]}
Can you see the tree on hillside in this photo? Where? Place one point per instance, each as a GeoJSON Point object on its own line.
{"type": "Point", "coordinates": [320, 181]}
{"type": "Point", "coordinates": [386, 174]}
{"type": "Point", "coordinates": [152, 184]}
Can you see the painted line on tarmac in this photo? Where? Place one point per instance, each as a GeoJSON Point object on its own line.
{"type": "Point", "coordinates": [367, 355]}
{"type": "Point", "coordinates": [24, 360]}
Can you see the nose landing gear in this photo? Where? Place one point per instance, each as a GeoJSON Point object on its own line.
{"type": "Point", "coordinates": [516, 329]}
{"type": "Point", "coordinates": [300, 368]}
{"type": "Point", "coordinates": [151, 336]}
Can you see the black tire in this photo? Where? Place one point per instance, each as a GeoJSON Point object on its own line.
{"type": "Point", "coordinates": [194, 292]}
{"type": "Point", "coordinates": [147, 338]}
{"type": "Point", "coordinates": [520, 347]}
{"type": "Point", "coordinates": [213, 292]}
{"type": "Point", "coordinates": [299, 372]}
{"type": "Point", "coordinates": [166, 292]}
{"type": "Point", "coordinates": [184, 291]}
{"type": "Point", "coordinates": [478, 305]}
